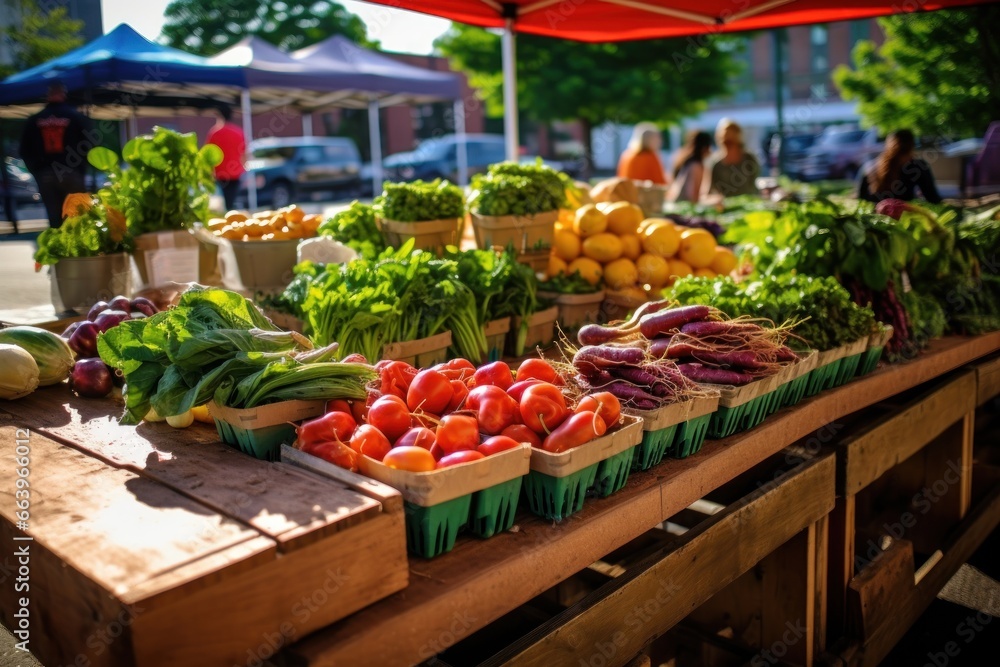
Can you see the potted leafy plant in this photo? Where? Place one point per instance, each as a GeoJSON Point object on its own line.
{"type": "Point", "coordinates": [89, 253]}
{"type": "Point", "coordinates": [431, 213]}
{"type": "Point", "coordinates": [517, 204]}
{"type": "Point", "coordinates": [164, 190]}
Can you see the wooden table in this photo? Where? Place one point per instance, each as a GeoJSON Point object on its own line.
{"type": "Point", "coordinates": [258, 515]}
{"type": "Point", "coordinates": [451, 597]}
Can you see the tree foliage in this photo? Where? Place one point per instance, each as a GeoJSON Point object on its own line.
{"type": "Point", "coordinates": [937, 73]}
{"type": "Point", "coordinates": [37, 36]}
{"type": "Point", "coordinates": [206, 27]}
{"type": "Point", "coordinates": [656, 80]}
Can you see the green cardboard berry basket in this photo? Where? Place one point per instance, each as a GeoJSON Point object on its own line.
{"type": "Point", "coordinates": [744, 408]}
{"type": "Point", "coordinates": [796, 379]}
{"type": "Point", "coordinates": [480, 495]}
{"type": "Point", "coordinates": [661, 427]}
{"type": "Point", "coordinates": [558, 483]}
{"type": "Point", "coordinates": [876, 344]}
{"type": "Point", "coordinates": [496, 337]}
{"type": "Point", "coordinates": [829, 363]}
{"type": "Point", "coordinates": [261, 431]}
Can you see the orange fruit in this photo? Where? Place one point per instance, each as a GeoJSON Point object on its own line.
{"type": "Point", "coordinates": [566, 245]}
{"type": "Point", "coordinates": [631, 246]}
{"type": "Point", "coordinates": [704, 273]}
{"type": "Point", "coordinates": [620, 274]}
{"type": "Point", "coordinates": [653, 270]}
{"type": "Point", "coordinates": [623, 217]}
{"type": "Point", "coordinates": [590, 270]}
{"type": "Point", "coordinates": [602, 247]}
{"type": "Point", "coordinates": [662, 240]}
{"type": "Point", "coordinates": [679, 269]}
{"type": "Point", "coordinates": [724, 261]}
{"type": "Point", "coordinates": [697, 248]}
{"type": "Point", "coordinates": [589, 221]}
{"type": "Point", "coordinates": [556, 266]}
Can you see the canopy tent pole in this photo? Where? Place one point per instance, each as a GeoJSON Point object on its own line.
{"type": "Point", "coordinates": [463, 144]}
{"type": "Point", "coordinates": [375, 141]}
{"type": "Point", "coordinates": [307, 124]}
{"type": "Point", "coordinates": [510, 129]}
{"type": "Point", "coordinates": [133, 125]}
{"type": "Point", "coordinates": [247, 113]}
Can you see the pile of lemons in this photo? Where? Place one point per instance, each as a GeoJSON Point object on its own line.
{"type": "Point", "coordinates": [616, 243]}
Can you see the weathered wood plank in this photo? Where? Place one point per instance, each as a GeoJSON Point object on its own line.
{"type": "Point", "coordinates": [876, 592]}
{"type": "Point", "coordinates": [840, 563]}
{"type": "Point", "coordinates": [989, 380]}
{"type": "Point", "coordinates": [889, 441]}
{"type": "Point", "coordinates": [279, 501]}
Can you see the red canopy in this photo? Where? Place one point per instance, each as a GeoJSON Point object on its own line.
{"type": "Point", "coordinates": [619, 20]}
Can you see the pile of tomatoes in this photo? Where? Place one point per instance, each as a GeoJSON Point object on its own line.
{"type": "Point", "coordinates": [423, 420]}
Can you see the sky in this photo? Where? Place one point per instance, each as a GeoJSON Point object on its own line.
{"type": "Point", "coordinates": [396, 29]}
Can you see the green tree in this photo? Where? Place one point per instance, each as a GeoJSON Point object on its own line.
{"type": "Point", "coordinates": [937, 73]}
{"type": "Point", "coordinates": [206, 27]}
{"type": "Point", "coordinates": [661, 81]}
{"type": "Point", "coordinates": [37, 36]}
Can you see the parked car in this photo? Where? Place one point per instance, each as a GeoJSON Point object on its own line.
{"type": "Point", "coordinates": [290, 169]}
{"type": "Point", "coordinates": [17, 185]}
{"type": "Point", "coordinates": [838, 153]}
{"type": "Point", "coordinates": [795, 147]}
{"type": "Point", "coordinates": [438, 158]}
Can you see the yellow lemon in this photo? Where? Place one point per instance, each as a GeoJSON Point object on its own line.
{"type": "Point", "coordinates": [566, 245]}
{"type": "Point", "coordinates": [589, 221]}
{"type": "Point", "coordinates": [589, 270]}
{"type": "Point", "coordinates": [556, 266]}
{"type": "Point", "coordinates": [697, 248]}
{"type": "Point", "coordinates": [653, 270]}
{"type": "Point", "coordinates": [631, 246]}
{"type": "Point", "coordinates": [704, 273]}
{"type": "Point", "coordinates": [649, 224]}
{"type": "Point", "coordinates": [724, 261]}
{"type": "Point", "coordinates": [565, 219]}
{"type": "Point", "coordinates": [634, 292]}
{"type": "Point", "coordinates": [662, 240]}
{"type": "Point", "coordinates": [679, 269]}
{"type": "Point", "coordinates": [603, 247]}
{"type": "Point", "coordinates": [623, 217]}
{"type": "Point", "coordinates": [621, 273]}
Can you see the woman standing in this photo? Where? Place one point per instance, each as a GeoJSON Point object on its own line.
{"type": "Point", "coordinates": [896, 173]}
{"type": "Point", "coordinates": [641, 160]}
{"type": "Point", "coordinates": [689, 167]}
{"type": "Point", "coordinates": [734, 171]}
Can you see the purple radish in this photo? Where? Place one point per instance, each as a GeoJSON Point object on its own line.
{"type": "Point", "coordinates": [700, 373]}
{"type": "Point", "coordinates": [84, 340]}
{"type": "Point", "coordinates": [91, 378]}
{"type": "Point", "coordinates": [144, 306]}
{"type": "Point", "coordinates": [96, 310]}
{"type": "Point", "coordinates": [120, 303]}
{"type": "Point", "coordinates": [109, 319]}
{"type": "Point", "coordinates": [664, 321]}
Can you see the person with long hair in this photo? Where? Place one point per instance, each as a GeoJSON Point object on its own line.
{"type": "Point", "coordinates": [734, 171]}
{"type": "Point", "coordinates": [896, 173]}
{"type": "Point", "coordinates": [641, 160]}
{"type": "Point", "coordinates": [689, 167]}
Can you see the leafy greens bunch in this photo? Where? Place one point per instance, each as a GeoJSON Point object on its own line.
{"type": "Point", "coordinates": [508, 188]}
{"type": "Point", "coordinates": [355, 227]}
{"type": "Point", "coordinates": [420, 201]}
{"type": "Point", "coordinates": [167, 184]}
{"type": "Point", "coordinates": [217, 345]}
{"type": "Point", "coordinates": [94, 229]}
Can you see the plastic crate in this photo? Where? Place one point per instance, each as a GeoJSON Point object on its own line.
{"type": "Point", "coordinates": [431, 531]}
{"type": "Point", "coordinates": [690, 437]}
{"type": "Point", "coordinates": [493, 509]}
{"type": "Point", "coordinates": [654, 447]}
{"type": "Point", "coordinates": [261, 431]}
{"type": "Point", "coordinates": [612, 473]}
{"type": "Point", "coordinates": [556, 498]}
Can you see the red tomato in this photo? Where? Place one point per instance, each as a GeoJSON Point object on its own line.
{"type": "Point", "coordinates": [417, 437]}
{"type": "Point", "coordinates": [336, 453]}
{"type": "Point", "coordinates": [331, 427]}
{"type": "Point", "coordinates": [516, 390]}
{"type": "Point", "coordinates": [537, 369]}
{"type": "Point", "coordinates": [339, 405]}
{"type": "Point", "coordinates": [460, 457]}
{"type": "Point", "coordinates": [430, 391]}
{"type": "Point", "coordinates": [498, 374]}
{"type": "Point", "coordinates": [456, 369]}
{"type": "Point", "coordinates": [478, 394]}
{"type": "Point", "coordinates": [603, 403]}
{"type": "Point", "coordinates": [496, 411]}
{"type": "Point", "coordinates": [354, 359]}
{"type": "Point", "coordinates": [414, 459]}
{"type": "Point", "coordinates": [437, 452]}
{"type": "Point", "coordinates": [497, 444]}
{"type": "Point", "coordinates": [522, 433]}
{"type": "Point", "coordinates": [395, 377]}
{"type": "Point", "coordinates": [390, 415]}
{"type": "Point", "coordinates": [579, 429]}
{"type": "Point", "coordinates": [371, 442]}
{"type": "Point", "coordinates": [461, 391]}
{"type": "Point", "coordinates": [543, 407]}
{"type": "Point", "coordinates": [458, 431]}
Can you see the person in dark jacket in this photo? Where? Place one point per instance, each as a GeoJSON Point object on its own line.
{"type": "Point", "coordinates": [54, 148]}
{"type": "Point", "coordinates": [897, 173]}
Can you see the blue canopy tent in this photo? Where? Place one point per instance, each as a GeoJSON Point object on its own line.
{"type": "Point", "coordinates": [120, 73]}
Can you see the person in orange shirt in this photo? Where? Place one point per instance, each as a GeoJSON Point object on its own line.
{"type": "Point", "coordinates": [641, 160]}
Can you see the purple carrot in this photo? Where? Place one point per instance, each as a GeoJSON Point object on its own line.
{"type": "Point", "coordinates": [630, 393]}
{"type": "Point", "coordinates": [784, 353]}
{"type": "Point", "coordinates": [608, 356]}
{"type": "Point", "coordinates": [655, 324]}
{"type": "Point", "coordinates": [637, 376]}
{"type": "Point", "coordinates": [700, 373]}
{"type": "Point", "coordinates": [719, 328]}
{"type": "Point", "coordinates": [740, 359]}
{"type": "Point", "coordinates": [658, 346]}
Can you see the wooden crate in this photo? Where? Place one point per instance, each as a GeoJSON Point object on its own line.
{"type": "Point", "coordinates": [191, 551]}
{"type": "Point", "coordinates": [904, 484]}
